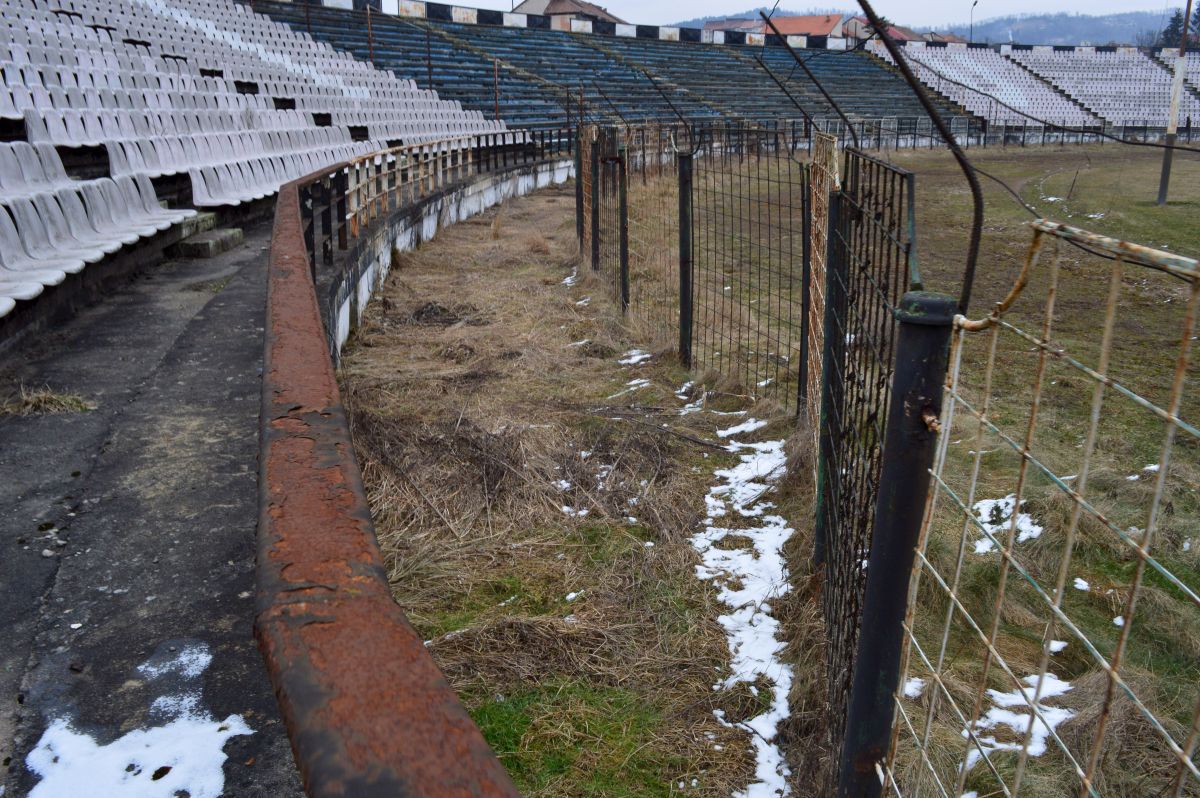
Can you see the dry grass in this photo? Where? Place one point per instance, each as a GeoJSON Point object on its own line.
{"type": "Point", "coordinates": [43, 401]}
{"type": "Point", "coordinates": [485, 398]}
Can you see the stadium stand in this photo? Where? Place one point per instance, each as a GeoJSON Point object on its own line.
{"type": "Point", "coordinates": [129, 90]}
{"type": "Point", "coordinates": [621, 79]}
{"type": "Point", "coordinates": [1191, 69]}
{"type": "Point", "coordinates": [1124, 87]}
{"type": "Point", "coordinates": [987, 72]}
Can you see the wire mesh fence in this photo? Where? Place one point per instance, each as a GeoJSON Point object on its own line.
{"type": "Point", "coordinates": [823, 182]}
{"type": "Point", "coordinates": [871, 263]}
{"type": "Point", "coordinates": [653, 219]}
{"type": "Point", "coordinates": [749, 203]}
{"type": "Point", "coordinates": [1052, 633]}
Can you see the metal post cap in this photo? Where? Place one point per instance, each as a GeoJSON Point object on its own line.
{"type": "Point", "coordinates": [926, 307]}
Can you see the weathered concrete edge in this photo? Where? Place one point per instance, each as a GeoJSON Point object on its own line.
{"type": "Point", "coordinates": [367, 711]}
{"type": "Point", "coordinates": [370, 259]}
{"type": "Point", "coordinates": [366, 708]}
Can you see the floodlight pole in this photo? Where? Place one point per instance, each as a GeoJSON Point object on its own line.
{"type": "Point", "coordinates": [971, 34]}
{"type": "Point", "coordinates": [1164, 180]}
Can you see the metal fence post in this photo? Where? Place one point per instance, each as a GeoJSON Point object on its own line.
{"type": "Point", "coordinates": [595, 167]}
{"type": "Point", "coordinates": [832, 363]}
{"type": "Point", "coordinates": [922, 349]}
{"type": "Point", "coordinates": [685, 258]}
{"type": "Point", "coordinates": [579, 186]}
{"type": "Point", "coordinates": [623, 211]}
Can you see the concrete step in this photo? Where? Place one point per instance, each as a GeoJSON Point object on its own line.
{"type": "Point", "coordinates": [210, 243]}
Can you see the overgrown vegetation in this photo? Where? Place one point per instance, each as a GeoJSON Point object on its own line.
{"type": "Point", "coordinates": [535, 498]}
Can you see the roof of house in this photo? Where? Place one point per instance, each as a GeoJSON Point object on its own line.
{"type": "Point", "coordinates": [814, 25]}
{"type": "Point", "coordinates": [566, 7]}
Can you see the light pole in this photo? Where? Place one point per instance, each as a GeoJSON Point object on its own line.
{"type": "Point", "coordinates": [971, 35]}
{"type": "Point", "coordinates": [1164, 180]}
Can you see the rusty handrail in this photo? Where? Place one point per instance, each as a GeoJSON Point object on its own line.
{"type": "Point", "coordinates": [367, 710]}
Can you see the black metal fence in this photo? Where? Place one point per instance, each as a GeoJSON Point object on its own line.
{"type": "Point", "coordinates": [736, 281]}
{"type": "Point", "coordinates": [871, 263]}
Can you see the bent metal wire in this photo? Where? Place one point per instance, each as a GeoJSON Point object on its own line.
{"type": "Point", "coordinates": [955, 662]}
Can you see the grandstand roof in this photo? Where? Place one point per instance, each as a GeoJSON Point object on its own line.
{"type": "Point", "coordinates": [554, 8]}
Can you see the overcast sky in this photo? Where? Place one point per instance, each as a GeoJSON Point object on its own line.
{"type": "Point", "coordinates": [905, 12]}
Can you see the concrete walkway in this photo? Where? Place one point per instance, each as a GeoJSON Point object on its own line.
{"type": "Point", "coordinates": [128, 533]}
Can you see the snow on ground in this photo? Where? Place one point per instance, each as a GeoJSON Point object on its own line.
{"type": "Point", "coordinates": [182, 756]}
{"type": "Point", "coordinates": [631, 386]}
{"type": "Point", "coordinates": [1012, 712]}
{"type": "Point", "coordinates": [749, 425]}
{"type": "Point", "coordinates": [1081, 584]}
{"type": "Point", "coordinates": [913, 687]}
{"type": "Point", "coordinates": [633, 357]}
{"type": "Point", "coordinates": [748, 577]}
{"type": "Point", "coordinates": [1057, 645]}
{"type": "Point", "coordinates": [996, 517]}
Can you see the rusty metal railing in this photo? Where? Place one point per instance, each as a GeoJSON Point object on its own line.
{"type": "Point", "coordinates": [366, 708]}
{"type": "Point", "coordinates": [1053, 608]}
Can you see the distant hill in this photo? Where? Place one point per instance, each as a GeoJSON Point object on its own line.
{"type": "Point", "coordinates": [752, 13]}
{"type": "Point", "coordinates": [1134, 27]}
{"type": "Point", "coordinates": [1128, 28]}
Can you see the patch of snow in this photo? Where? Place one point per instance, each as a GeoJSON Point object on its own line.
{"type": "Point", "coordinates": [587, 300]}
{"type": "Point", "coordinates": [1081, 584]}
{"type": "Point", "coordinates": [561, 484]}
{"type": "Point", "coordinates": [749, 425]}
{"type": "Point", "coordinates": [1119, 621]}
{"type": "Point", "coordinates": [573, 596]}
{"type": "Point", "coordinates": [913, 687]}
{"type": "Point", "coordinates": [584, 342]}
{"type": "Point", "coordinates": [1057, 645]}
{"type": "Point", "coordinates": [1013, 711]}
{"type": "Point", "coordinates": [1152, 468]}
{"type": "Point", "coordinates": [1187, 544]}
{"type": "Point", "coordinates": [634, 357]}
{"type": "Point", "coordinates": [507, 601]}
{"type": "Point", "coordinates": [1133, 478]}
{"type": "Point", "coordinates": [996, 516]}
{"type": "Point", "coordinates": [631, 386]}
{"type": "Point", "coordinates": [183, 756]}
{"type": "Point", "coordinates": [571, 511]}
{"type": "Point", "coordinates": [747, 578]}
{"type": "Point", "coordinates": [572, 278]}
{"type": "Point", "coordinates": [649, 544]}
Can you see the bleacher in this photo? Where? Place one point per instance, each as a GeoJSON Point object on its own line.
{"type": "Point", "coordinates": [620, 79]}
{"type": "Point", "coordinates": [1191, 74]}
{"type": "Point", "coordinates": [104, 97]}
{"type": "Point", "coordinates": [1125, 88]}
{"type": "Point", "coordinates": [985, 74]}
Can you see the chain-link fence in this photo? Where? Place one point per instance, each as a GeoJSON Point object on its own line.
{"type": "Point", "coordinates": [1053, 633]}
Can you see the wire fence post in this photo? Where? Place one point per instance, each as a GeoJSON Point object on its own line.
{"type": "Point", "coordinates": [831, 378]}
{"type": "Point", "coordinates": [805, 289]}
{"type": "Point", "coordinates": [685, 258]}
{"type": "Point", "coordinates": [595, 168]}
{"type": "Point", "coordinates": [623, 212]}
{"type": "Point", "coordinates": [579, 186]}
{"type": "Point", "coordinates": [922, 349]}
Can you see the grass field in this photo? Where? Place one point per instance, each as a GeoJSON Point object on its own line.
{"type": "Point", "coordinates": [1109, 191]}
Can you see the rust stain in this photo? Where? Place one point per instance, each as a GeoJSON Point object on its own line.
{"type": "Point", "coordinates": [366, 708]}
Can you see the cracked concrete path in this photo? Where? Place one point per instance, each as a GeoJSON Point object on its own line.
{"type": "Point", "coordinates": [128, 531]}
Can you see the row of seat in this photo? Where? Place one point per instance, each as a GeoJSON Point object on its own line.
{"type": "Point", "coordinates": [45, 237]}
